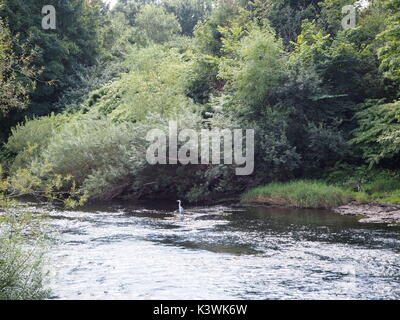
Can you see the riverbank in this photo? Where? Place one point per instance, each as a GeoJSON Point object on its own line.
{"type": "Point", "coordinates": [373, 212]}
{"type": "Point", "coordinates": [299, 194]}
{"type": "Point", "coordinates": [319, 195]}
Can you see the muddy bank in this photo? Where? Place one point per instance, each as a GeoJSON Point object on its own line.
{"type": "Point", "coordinates": [373, 213]}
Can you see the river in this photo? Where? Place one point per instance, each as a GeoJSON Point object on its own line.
{"type": "Point", "coordinates": [131, 251]}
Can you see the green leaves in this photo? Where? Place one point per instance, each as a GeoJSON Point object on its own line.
{"type": "Point", "coordinates": [389, 54]}
{"type": "Point", "coordinates": [300, 97]}
{"type": "Point", "coordinates": [155, 84]}
{"type": "Point", "coordinates": [254, 65]}
{"type": "Point", "coordinates": [188, 12]}
{"type": "Point", "coordinates": [43, 60]}
{"type": "Point", "coordinates": [17, 73]}
{"type": "Point", "coordinates": [378, 134]}
{"type": "Point", "coordinates": [156, 24]}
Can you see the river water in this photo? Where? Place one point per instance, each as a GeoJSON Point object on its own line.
{"type": "Point", "coordinates": [127, 251]}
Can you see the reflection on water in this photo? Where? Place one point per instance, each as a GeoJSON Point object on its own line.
{"type": "Point", "coordinates": [149, 252]}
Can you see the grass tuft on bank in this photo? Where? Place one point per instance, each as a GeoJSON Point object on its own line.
{"type": "Point", "coordinates": [299, 194]}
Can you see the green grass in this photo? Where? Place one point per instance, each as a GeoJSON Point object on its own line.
{"type": "Point", "coordinates": [23, 273]}
{"type": "Point", "coordinates": [360, 197]}
{"type": "Point", "coordinates": [386, 197]}
{"type": "Point", "coordinates": [300, 194]}
{"type": "Point", "coordinates": [367, 185]}
{"type": "Point", "coordinates": [318, 194]}
{"type": "Point", "coordinates": [384, 189]}
{"type": "Point", "coordinates": [382, 185]}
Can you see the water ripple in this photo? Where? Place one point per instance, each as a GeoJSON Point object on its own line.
{"type": "Point", "coordinates": [140, 252]}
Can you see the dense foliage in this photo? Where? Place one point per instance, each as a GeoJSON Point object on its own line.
{"type": "Point", "coordinates": [319, 97]}
{"type": "Point", "coordinates": [74, 42]}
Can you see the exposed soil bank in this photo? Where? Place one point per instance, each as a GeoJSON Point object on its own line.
{"type": "Point", "coordinates": [374, 212]}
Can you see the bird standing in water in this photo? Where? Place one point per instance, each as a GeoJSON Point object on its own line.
{"type": "Point", "coordinates": [181, 210]}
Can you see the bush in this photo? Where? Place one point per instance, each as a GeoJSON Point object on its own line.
{"type": "Point", "coordinates": [30, 138]}
{"type": "Point", "coordinates": [22, 257]}
{"type": "Point", "coordinates": [301, 194]}
{"type": "Point", "coordinates": [88, 148]}
{"type": "Point", "coordinates": [22, 250]}
{"type": "Point", "coordinates": [107, 158]}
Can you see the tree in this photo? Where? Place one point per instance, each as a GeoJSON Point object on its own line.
{"type": "Point", "coordinates": [286, 16]}
{"type": "Point", "coordinates": [189, 12]}
{"type": "Point", "coordinates": [16, 72]}
{"type": "Point", "coordinates": [131, 8]}
{"type": "Point", "coordinates": [73, 42]}
{"type": "Point", "coordinates": [17, 77]}
{"type": "Point", "coordinates": [389, 53]}
{"type": "Point", "coordinates": [156, 24]}
{"type": "Point", "coordinates": [378, 134]}
{"type": "Point", "coordinates": [253, 65]}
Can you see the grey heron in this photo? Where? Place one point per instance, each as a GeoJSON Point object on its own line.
{"type": "Point", "coordinates": [181, 210]}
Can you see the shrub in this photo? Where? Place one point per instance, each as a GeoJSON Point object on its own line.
{"type": "Point", "coordinates": [22, 255]}
{"type": "Point", "coordinates": [30, 138]}
{"type": "Point", "coordinates": [21, 271]}
{"type": "Point", "coordinates": [107, 158]}
{"type": "Point", "coordinates": [88, 147]}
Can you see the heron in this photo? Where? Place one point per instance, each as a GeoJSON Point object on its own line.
{"type": "Point", "coordinates": [181, 210]}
